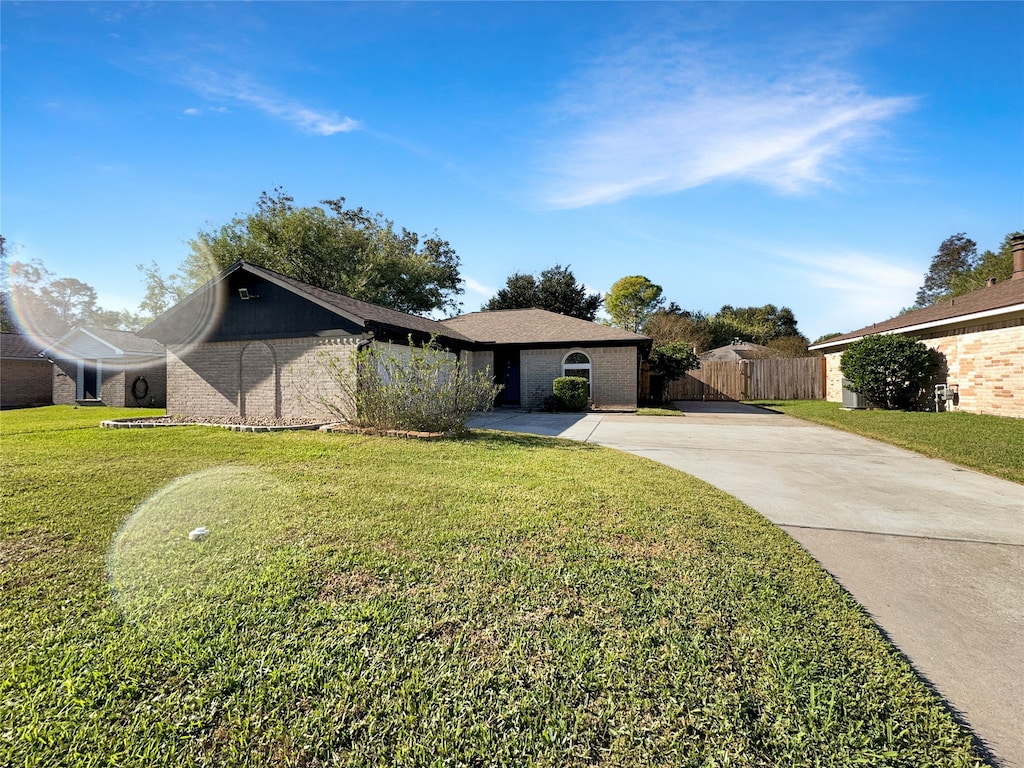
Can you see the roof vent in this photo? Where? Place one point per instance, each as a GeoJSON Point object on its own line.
{"type": "Point", "coordinates": [991, 281]}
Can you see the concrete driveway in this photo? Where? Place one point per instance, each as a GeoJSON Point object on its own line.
{"type": "Point", "coordinates": [934, 552]}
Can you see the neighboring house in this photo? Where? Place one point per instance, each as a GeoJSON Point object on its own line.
{"type": "Point", "coordinates": [980, 336]}
{"type": "Point", "coordinates": [25, 378]}
{"type": "Point", "coordinates": [102, 366]}
{"type": "Point", "coordinates": [738, 350]}
{"type": "Point", "coordinates": [254, 344]}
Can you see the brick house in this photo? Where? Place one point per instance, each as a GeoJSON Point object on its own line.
{"type": "Point", "coordinates": [25, 377]}
{"type": "Point", "coordinates": [980, 336]}
{"type": "Point", "coordinates": [102, 366]}
{"type": "Point", "coordinates": [529, 348]}
{"type": "Point", "coordinates": [255, 344]}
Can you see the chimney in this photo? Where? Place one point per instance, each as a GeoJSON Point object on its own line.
{"type": "Point", "coordinates": [1017, 244]}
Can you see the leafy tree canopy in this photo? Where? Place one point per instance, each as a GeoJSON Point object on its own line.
{"type": "Point", "coordinates": [555, 290]}
{"type": "Point", "coordinates": [769, 325]}
{"type": "Point", "coordinates": [632, 300]}
{"type": "Point", "coordinates": [957, 254]}
{"type": "Point", "coordinates": [991, 264]}
{"type": "Point", "coordinates": [34, 300]}
{"type": "Point", "coordinates": [347, 250]}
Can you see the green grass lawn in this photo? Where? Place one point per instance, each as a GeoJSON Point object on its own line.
{"type": "Point", "coordinates": [664, 410]}
{"type": "Point", "coordinates": [990, 444]}
{"type": "Point", "coordinates": [498, 600]}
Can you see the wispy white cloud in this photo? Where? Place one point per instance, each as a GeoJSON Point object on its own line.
{"type": "Point", "coordinates": [661, 118]}
{"type": "Point", "coordinates": [479, 288]}
{"type": "Point", "coordinates": [193, 112]}
{"type": "Point", "coordinates": [855, 288]}
{"type": "Point", "coordinates": [240, 89]}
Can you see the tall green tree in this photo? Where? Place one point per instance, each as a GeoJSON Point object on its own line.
{"type": "Point", "coordinates": [631, 301]}
{"type": "Point", "coordinates": [347, 250]}
{"type": "Point", "coordinates": [555, 290]}
{"type": "Point", "coordinates": [72, 300]}
{"type": "Point", "coordinates": [49, 306]}
{"type": "Point", "coordinates": [991, 264]}
{"type": "Point", "coordinates": [957, 254]}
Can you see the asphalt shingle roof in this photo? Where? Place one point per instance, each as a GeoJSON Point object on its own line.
{"type": "Point", "coordinates": [1006, 294]}
{"type": "Point", "coordinates": [537, 326]}
{"type": "Point", "coordinates": [18, 346]}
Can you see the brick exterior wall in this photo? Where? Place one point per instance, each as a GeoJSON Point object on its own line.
{"type": "Point", "coordinates": [613, 375]}
{"type": "Point", "coordinates": [986, 362]}
{"type": "Point", "coordinates": [284, 379]}
{"type": "Point", "coordinates": [25, 383]}
{"type": "Point", "coordinates": [116, 389]}
{"type": "Point", "coordinates": [479, 361]}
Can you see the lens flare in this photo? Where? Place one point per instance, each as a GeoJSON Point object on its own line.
{"type": "Point", "coordinates": [33, 316]}
{"type": "Point", "coordinates": [163, 574]}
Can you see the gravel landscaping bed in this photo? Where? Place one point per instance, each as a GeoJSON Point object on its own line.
{"type": "Point", "coordinates": [235, 424]}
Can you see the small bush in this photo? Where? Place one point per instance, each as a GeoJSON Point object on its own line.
{"type": "Point", "coordinates": [890, 371]}
{"type": "Point", "coordinates": [572, 391]}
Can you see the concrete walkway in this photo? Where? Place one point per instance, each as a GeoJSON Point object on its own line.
{"type": "Point", "coordinates": [934, 552]}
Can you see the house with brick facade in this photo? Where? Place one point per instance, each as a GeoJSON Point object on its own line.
{"type": "Point", "coordinates": [101, 366]}
{"type": "Point", "coordinates": [980, 337]}
{"type": "Point", "coordinates": [25, 377]}
{"type": "Point", "coordinates": [255, 344]}
{"type": "Point", "coordinates": [527, 349]}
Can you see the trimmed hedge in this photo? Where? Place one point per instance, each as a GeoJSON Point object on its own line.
{"type": "Point", "coordinates": [571, 390]}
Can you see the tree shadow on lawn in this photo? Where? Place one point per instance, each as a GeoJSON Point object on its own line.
{"type": "Point", "coordinates": [494, 439]}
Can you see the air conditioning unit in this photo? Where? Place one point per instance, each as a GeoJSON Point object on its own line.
{"type": "Point", "coordinates": [852, 399]}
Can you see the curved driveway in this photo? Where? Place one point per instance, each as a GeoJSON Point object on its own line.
{"type": "Point", "coordinates": [934, 552]}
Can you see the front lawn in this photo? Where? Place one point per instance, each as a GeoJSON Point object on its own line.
{"type": "Point", "coordinates": [500, 600]}
{"type": "Point", "coordinates": [990, 444]}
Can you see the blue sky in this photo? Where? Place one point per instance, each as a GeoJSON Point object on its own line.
{"type": "Point", "coordinates": [811, 155]}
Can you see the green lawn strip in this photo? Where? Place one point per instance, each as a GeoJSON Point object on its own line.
{"type": "Point", "coordinates": [61, 417]}
{"type": "Point", "coordinates": [990, 444]}
{"type": "Point", "coordinates": [660, 411]}
{"type": "Point", "coordinates": [499, 600]}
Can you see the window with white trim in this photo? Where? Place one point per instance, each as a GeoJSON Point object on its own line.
{"type": "Point", "coordinates": [577, 364]}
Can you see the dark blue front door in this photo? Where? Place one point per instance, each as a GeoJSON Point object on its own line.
{"type": "Point", "coordinates": [506, 373]}
{"type": "Point", "coordinates": [510, 394]}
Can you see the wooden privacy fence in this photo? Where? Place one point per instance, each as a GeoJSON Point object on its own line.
{"type": "Point", "coordinates": [799, 378]}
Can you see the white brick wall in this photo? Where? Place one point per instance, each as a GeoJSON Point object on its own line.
{"type": "Point", "coordinates": [985, 361]}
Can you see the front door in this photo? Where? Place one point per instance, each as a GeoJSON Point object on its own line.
{"type": "Point", "coordinates": [90, 382]}
{"type": "Point", "coordinates": [506, 373]}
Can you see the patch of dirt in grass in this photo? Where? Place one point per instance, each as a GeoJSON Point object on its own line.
{"type": "Point", "coordinates": [535, 617]}
{"type": "Point", "coordinates": [345, 585]}
{"type": "Point", "coordinates": [646, 549]}
{"type": "Point", "coordinates": [26, 546]}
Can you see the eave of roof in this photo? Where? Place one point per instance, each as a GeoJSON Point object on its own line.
{"type": "Point", "coordinates": [1002, 299]}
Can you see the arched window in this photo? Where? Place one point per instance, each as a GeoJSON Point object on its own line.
{"type": "Point", "coordinates": [577, 364]}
